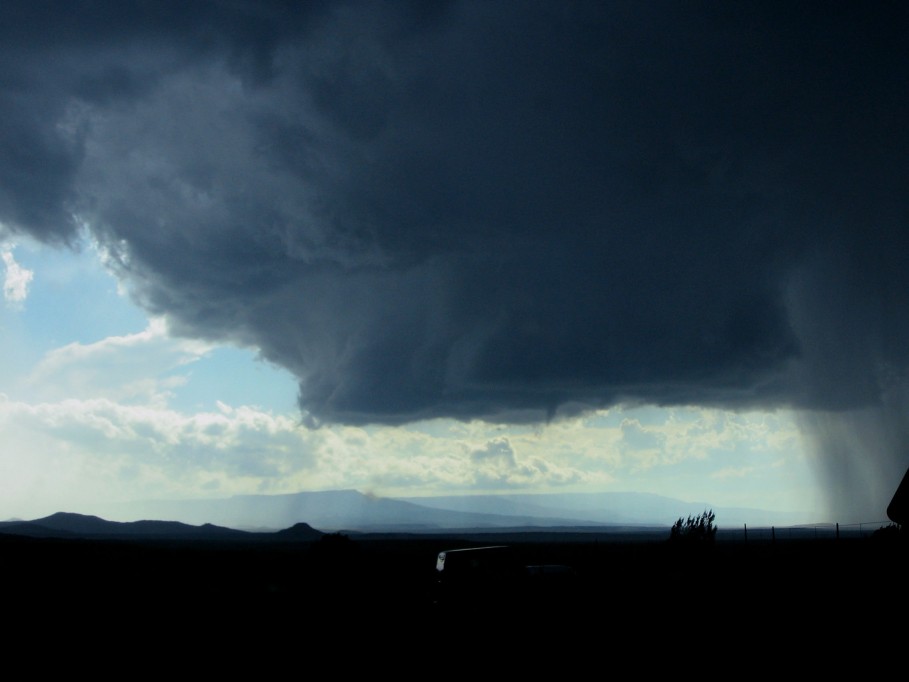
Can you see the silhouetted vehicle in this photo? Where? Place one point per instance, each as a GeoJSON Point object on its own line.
{"type": "Point", "coordinates": [494, 576]}
{"type": "Point", "coordinates": [898, 510]}
{"type": "Point", "coordinates": [465, 576]}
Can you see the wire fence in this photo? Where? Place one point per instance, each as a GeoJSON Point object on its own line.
{"type": "Point", "coordinates": [819, 531]}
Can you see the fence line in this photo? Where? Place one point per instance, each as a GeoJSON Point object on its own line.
{"type": "Point", "coordinates": [819, 531]}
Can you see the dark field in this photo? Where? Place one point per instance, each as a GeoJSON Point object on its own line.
{"type": "Point", "coordinates": [833, 597]}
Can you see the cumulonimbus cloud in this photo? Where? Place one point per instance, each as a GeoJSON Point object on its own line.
{"type": "Point", "coordinates": [487, 210]}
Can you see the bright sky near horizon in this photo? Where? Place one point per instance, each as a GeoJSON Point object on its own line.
{"type": "Point", "coordinates": [449, 247]}
{"type": "Point", "coordinates": [100, 404]}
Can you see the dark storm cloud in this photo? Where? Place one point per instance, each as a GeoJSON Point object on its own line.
{"type": "Point", "coordinates": [486, 209]}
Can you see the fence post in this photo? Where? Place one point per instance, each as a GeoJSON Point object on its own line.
{"type": "Point", "coordinates": [837, 530]}
{"type": "Point", "coordinates": [772, 535]}
{"type": "Point", "coordinates": [746, 532]}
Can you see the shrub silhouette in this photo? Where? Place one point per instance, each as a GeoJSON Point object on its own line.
{"type": "Point", "coordinates": [697, 530]}
{"type": "Point", "coordinates": [890, 533]}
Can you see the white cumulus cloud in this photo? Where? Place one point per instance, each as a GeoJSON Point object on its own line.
{"type": "Point", "coordinates": [15, 280]}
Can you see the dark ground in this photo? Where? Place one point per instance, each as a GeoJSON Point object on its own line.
{"type": "Point", "coordinates": [823, 598]}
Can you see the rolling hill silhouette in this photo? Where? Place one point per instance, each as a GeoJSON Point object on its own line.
{"type": "Point", "coordinates": [67, 525]}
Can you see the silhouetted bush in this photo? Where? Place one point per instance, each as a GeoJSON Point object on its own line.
{"type": "Point", "coordinates": [696, 530]}
{"type": "Point", "coordinates": [890, 533]}
{"type": "Point", "coordinates": [335, 549]}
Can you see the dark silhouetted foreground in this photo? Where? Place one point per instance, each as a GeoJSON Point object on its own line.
{"type": "Point", "coordinates": [369, 589]}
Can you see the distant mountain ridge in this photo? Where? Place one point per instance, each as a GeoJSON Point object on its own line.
{"type": "Point", "coordinates": [338, 510]}
{"type": "Point", "coordinates": [352, 511]}
{"type": "Point", "coordinates": [610, 508]}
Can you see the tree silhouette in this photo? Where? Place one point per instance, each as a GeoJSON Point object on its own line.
{"type": "Point", "coordinates": [696, 530]}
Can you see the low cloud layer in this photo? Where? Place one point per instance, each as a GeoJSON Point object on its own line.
{"type": "Point", "coordinates": [491, 210]}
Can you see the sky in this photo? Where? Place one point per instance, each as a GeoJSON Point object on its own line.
{"type": "Point", "coordinates": [420, 248]}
